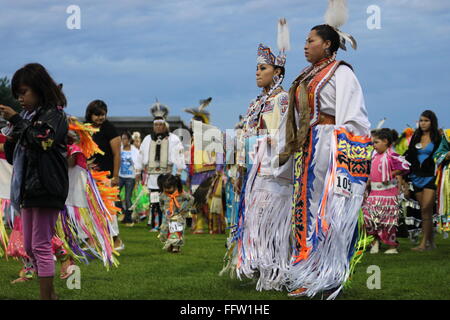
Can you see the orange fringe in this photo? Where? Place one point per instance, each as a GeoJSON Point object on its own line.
{"type": "Point", "coordinates": [109, 194]}
{"type": "Point", "coordinates": [85, 132]}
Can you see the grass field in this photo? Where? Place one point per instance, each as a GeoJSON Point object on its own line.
{"type": "Point", "coordinates": [147, 272]}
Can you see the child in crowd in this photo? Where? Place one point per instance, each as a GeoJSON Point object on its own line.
{"type": "Point", "coordinates": [175, 205]}
{"type": "Point", "coordinates": [128, 157]}
{"type": "Point", "coordinates": [381, 208]}
{"type": "Point", "coordinates": [37, 150]}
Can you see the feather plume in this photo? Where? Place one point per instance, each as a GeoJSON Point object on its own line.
{"type": "Point", "coordinates": [337, 13]}
{"type": "Point", "coordinates": [159, 110]}
{"type": "Point", "coordinates": [380, 124]}
{"type": "Point", "coordinates": [347, 37]}
{"type": "Point", "coordinates": [283, 39]}
{"type": "Point", "coordinates": [204, 103]}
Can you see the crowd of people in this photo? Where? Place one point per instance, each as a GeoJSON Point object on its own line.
{"type": "Point", "coordinates": [307, 183]}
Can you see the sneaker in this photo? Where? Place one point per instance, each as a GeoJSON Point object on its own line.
{"type": "Point", "coordinates": [154, 230]}
{"type": "Point", "coordinates": [375, 248]}
{"type": "Point", "coordinates": [391, 251]}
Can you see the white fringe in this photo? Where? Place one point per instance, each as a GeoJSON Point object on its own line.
{"type": "Point", "coordinates": [266, 239]}
{"type": "Point", "coordinates": [328, 266]}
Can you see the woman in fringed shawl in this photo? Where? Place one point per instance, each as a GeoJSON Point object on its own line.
{"type": "Point", "coordinates": [327, 132]}
{"type": "Point", "coordinates": [261, 246]}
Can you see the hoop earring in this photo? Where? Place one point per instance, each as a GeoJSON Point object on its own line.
{"type": "Point", "coordinates": [327, 52]}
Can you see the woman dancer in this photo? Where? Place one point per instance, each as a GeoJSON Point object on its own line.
{"type": "Point", "coordinates": [327, 131]}
{"type": "Point", "coordinates": [261, 248]}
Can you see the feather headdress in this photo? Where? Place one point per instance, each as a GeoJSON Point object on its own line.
{"type": "Point", "coordinates": [265, 54]}
{"type": "Point", "coordinates": [336, 16]}
{"type": "Point", "coordinates": [159, 111]}
{"type": "Point", "coordinates": [200, 111]}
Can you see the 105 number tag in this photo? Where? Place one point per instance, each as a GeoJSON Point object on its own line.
{"type": "Point", "coordinates": [343, 185]}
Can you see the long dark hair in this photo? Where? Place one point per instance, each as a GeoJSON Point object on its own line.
{"type": "Point", "coordinates": [434, 129]}
{"type": "Point", "coordinates": [35, 76]}
{"type": "Point", "coordinates": [95, 107]}
{"type": "Point", "coordinates": [328, 33]}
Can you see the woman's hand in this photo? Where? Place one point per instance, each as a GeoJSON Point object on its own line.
{"type": "Point", "coordinates": [7, 112]}
{"type": "Point", "coordinates": [114, 181]}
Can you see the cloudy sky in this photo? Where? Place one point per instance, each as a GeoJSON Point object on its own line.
{"type": "Point", "coordinates": [129, 52]}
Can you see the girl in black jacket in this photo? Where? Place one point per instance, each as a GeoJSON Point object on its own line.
{"type": "Point", "coordinates": [423, 145]}
{"type": "Point", "coordinates": [37, 149]}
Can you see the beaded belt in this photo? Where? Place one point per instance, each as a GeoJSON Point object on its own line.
{"type": "Point", "coordinates": [380, 186]}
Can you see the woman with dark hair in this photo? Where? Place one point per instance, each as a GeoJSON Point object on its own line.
{"type": "Point", "coordinates": [106, 138]}
{"type": "Point", "coordinates": [261, 248]}
{"type": "Point", "coordinates": [327, 132]}
{"type": "Point", "coordinates": [36, 147]}
{"type": "Point", "coordinates": [423, 145]}
{"type": "Point", "coordinates": [108, 141]}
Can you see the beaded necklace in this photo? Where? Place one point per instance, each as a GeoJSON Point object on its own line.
{"type": "Point", "coordinates": [311, 71]}
{"type": "Point", "coordinates": [253, 117]}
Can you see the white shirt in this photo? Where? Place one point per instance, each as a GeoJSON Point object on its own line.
{"type": "Point", "coordinates": [176, 157]}
{"type": "Point", "coordinates": [343, 98]}
{"type": "Point", "coordinates": [128, 158]}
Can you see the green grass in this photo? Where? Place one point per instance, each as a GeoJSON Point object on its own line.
{"type": "Point", "coordinates": [148, 272]}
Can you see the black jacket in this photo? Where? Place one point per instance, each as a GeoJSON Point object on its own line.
{"type": "Point", "coordinates": [45, 181]}
{"type": "Point", "coordinates": [428, 166]}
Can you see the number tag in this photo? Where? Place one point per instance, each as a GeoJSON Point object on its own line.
{"type": "Point", "coordinates": [175, 226]}
{"type": "Point", "coordinates": [342, 185]}
{"type": "Point", "coordinates": [154, 197]}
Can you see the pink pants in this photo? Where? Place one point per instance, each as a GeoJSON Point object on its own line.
{"type": "Point", "coordinates": [38, 230]}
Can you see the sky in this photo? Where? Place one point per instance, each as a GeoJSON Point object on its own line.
{"type": "Point", "coordinates": [128, 53]}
